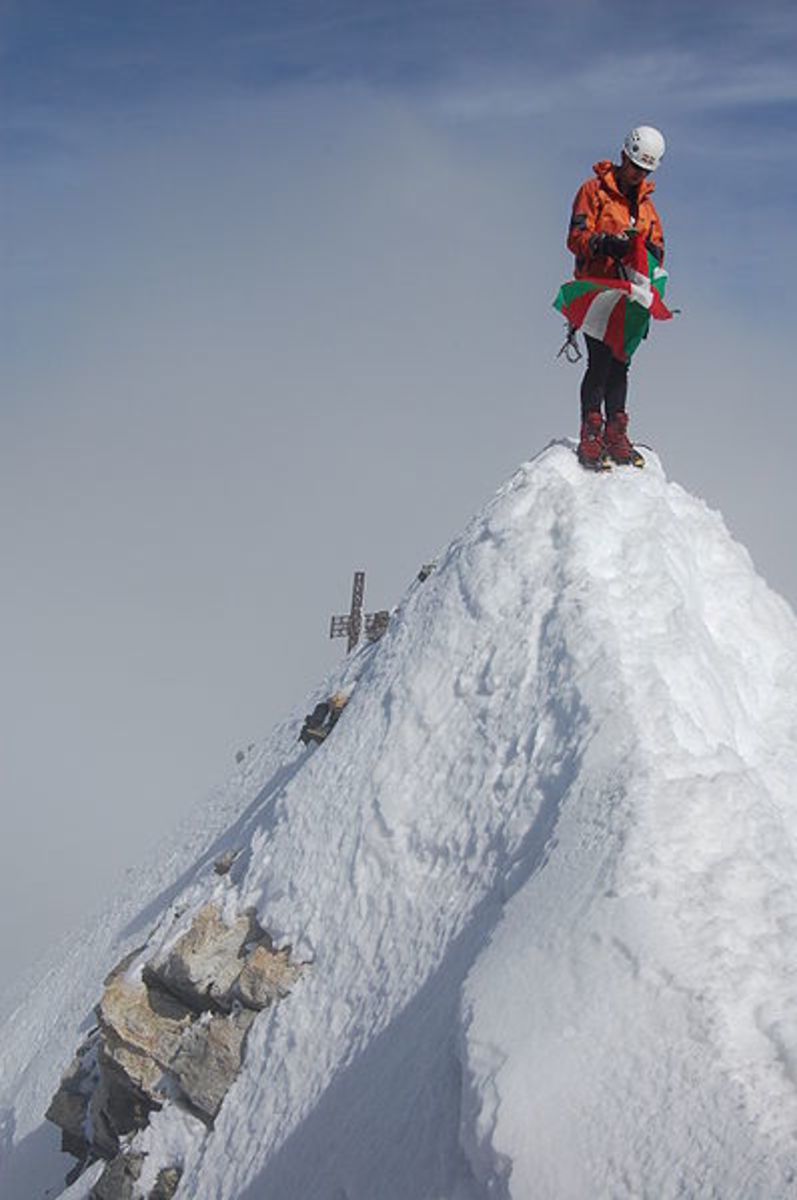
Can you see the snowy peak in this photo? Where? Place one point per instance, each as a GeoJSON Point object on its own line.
{"type": "Point", "coordinates": [542, 873]}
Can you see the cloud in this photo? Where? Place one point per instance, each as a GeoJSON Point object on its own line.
{"type": "Point", "coordinates": [677, 80]}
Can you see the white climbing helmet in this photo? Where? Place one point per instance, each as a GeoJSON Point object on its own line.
{"type": "Point", "coordinates": [644, 145]}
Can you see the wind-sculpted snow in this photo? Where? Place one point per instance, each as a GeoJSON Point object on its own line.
{"type": "Point", "coordinates": [658, 1057]}
{"type": "Point", "coordinates": [543, 872]}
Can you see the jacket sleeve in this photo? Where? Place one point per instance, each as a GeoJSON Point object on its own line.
{"type": "Point", "coordinates": [655, 238]}
{"type": "Point", "coordinates": [584, 220]}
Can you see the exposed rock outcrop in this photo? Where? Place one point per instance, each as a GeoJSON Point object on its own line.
{"type": "Point", "coordinates": [203, 966]}
{"type": "Point", "coordinates": [119, 1178]}
{"type": "Point", "coordinates": [225, 861]}
{"type": "Point", "coordinates": [208, 1059]}
{"type": "Point", "coordinates": [166, 1184]}
{"type": "Point", "coordinates": [171, 1027]}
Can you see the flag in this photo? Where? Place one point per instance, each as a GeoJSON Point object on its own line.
{"type": "Point", "coordinates": [618, 311]}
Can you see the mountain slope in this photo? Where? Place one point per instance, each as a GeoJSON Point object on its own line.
{"type": "Point", "coordinates": [543, 872]}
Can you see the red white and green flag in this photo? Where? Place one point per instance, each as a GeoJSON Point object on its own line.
{"type": "Point", "coordinates": [618, 311]}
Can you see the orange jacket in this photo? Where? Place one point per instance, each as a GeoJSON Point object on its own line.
{"type": "Point", "coordinates": [600, 207]}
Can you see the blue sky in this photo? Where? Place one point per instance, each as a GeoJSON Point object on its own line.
{"type": "Point", "coordinates": [94, 51]}
{"type": "Point", "coordinates": [276, 304]}
{"type": "Point", "coordinates": [719, 79]}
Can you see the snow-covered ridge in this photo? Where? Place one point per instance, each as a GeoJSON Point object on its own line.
{"type": "Point", "coordinates": [543, 869]}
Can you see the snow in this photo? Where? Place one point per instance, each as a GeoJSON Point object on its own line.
{"type": "Point", "coordinates": [542, 874]}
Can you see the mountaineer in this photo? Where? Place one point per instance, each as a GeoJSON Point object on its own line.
{"type": "Point", "coordinates": [613, 220]}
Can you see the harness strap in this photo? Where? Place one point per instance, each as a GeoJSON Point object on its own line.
{"type": "Point", "coordinates": [570, 346]}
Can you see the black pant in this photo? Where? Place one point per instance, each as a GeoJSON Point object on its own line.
{"type": "Point", "coordinates": [605, 380]}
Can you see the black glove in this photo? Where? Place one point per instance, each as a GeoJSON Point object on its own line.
{"type": "Point", "coordinates": [612, 245]}
{"type": "Point", "coordinates": [656, 251]}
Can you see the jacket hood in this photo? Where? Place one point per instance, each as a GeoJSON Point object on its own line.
{"type": "Point", "coordinates": [605, 170]}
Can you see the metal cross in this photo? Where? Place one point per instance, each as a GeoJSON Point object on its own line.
{"type": "Point", "coordinates": [353, 625]}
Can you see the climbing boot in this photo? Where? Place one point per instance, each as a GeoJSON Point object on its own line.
{"type": "Point", "coordinates": [591, 450]}
{"type": "Point", "coordinates": [618, 446]}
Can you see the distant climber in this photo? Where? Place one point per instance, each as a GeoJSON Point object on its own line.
{"type": "Point", "coordinates": [616, 236]}
{"type": "Point", "coordinates": [322, 720]}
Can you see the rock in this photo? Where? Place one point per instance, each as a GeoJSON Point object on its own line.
{"type": "Point", "coordinates": [203, 965]}
{"type": "Point", "coordinates": [224, 862]}
{"type": "Point", "coordinates": [209, 1059]}
{"type": "Point", "coordinates": [118, 1180]}
{"type": "Point", "coordinates": [141, 1027]}
{"type": "Point", "coordinates": [118, 1107]}
{"type": "Point", "coordinates": [68, 1111]}
{"type": "Point", "coordinates": [376, 625]}
{"type": "Point", "coordinates": [173, 1028]}
{"type": "Point", "coordinates": [69, 1106]}
{"type": "Point", "coordinates": [268, 975]}
{"type": "Point", "coordinates": [166, 1183]}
